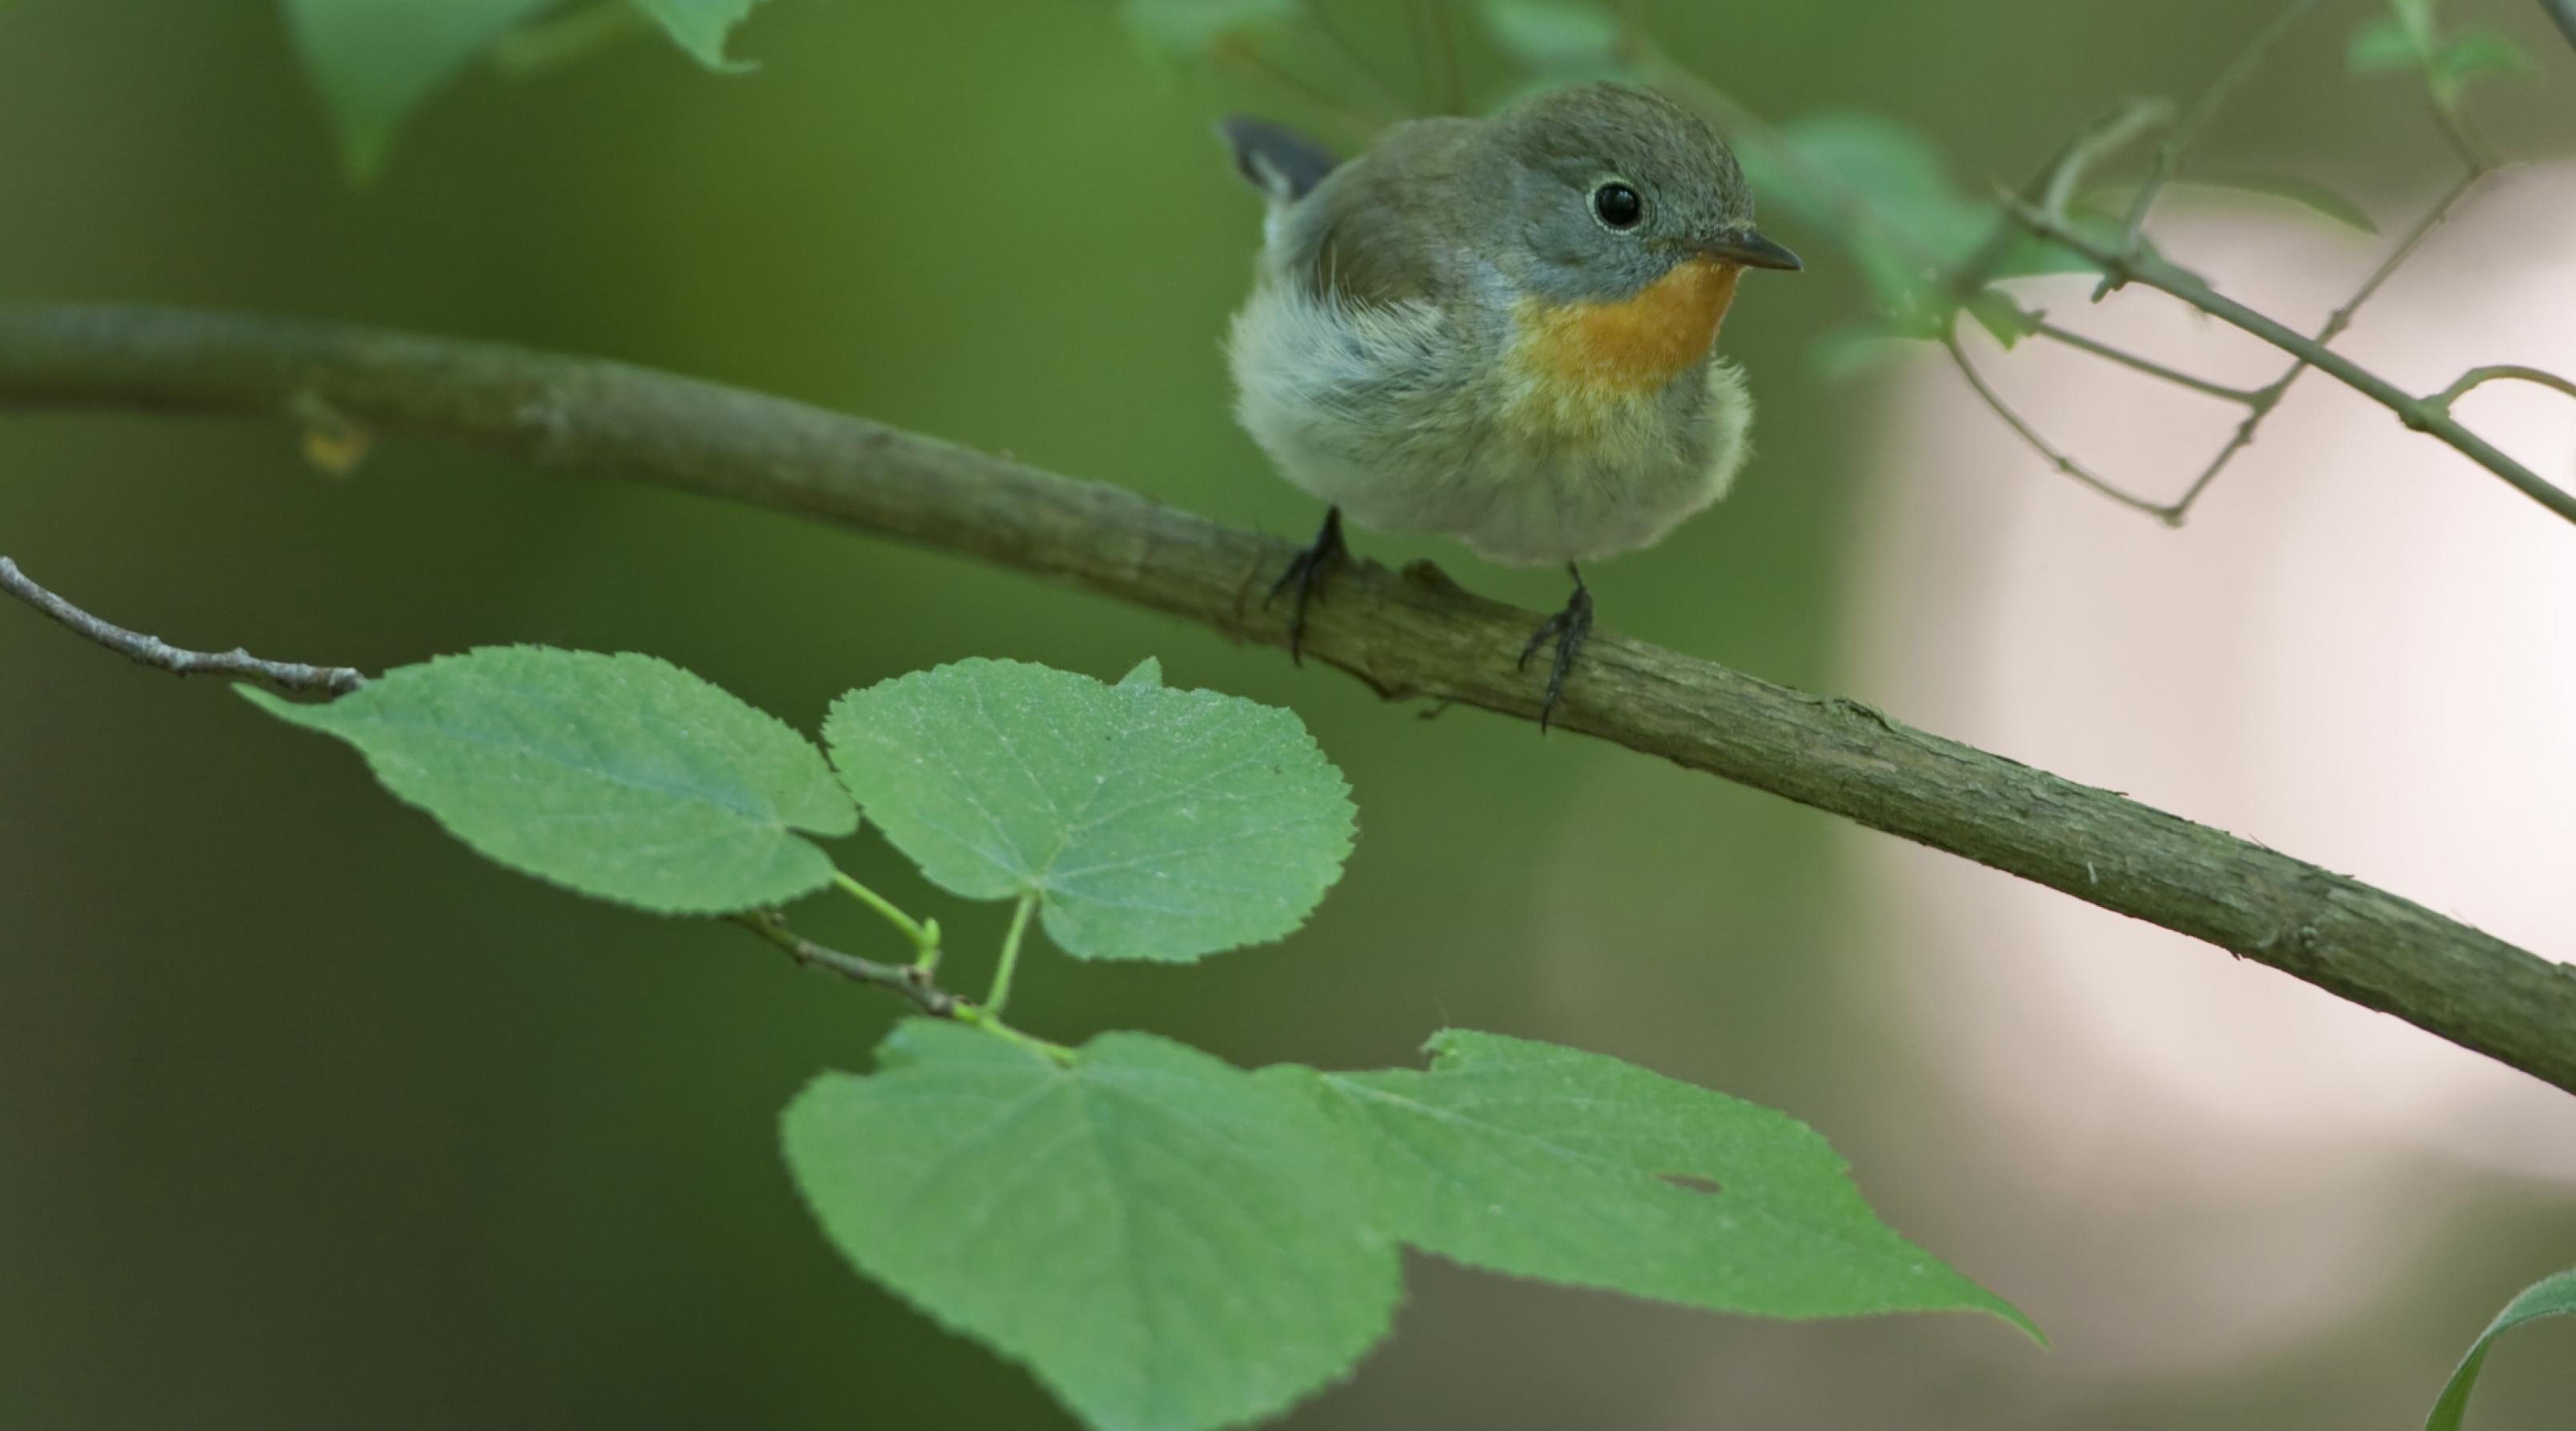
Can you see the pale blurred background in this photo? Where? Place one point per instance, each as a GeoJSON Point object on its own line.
{"type": "Point", "coordinates": [307, 1117]}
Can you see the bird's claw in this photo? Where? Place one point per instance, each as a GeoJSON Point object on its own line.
{"type": "Point", "coordinates": [1569, 628]}
{"type": "Point", "coordinates": [1307, 572]}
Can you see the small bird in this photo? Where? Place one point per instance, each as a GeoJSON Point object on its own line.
{"type": "Point", "coordinates": [1502, 330]}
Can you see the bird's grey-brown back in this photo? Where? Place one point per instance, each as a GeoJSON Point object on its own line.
{"type": "Point", "coordinates": [1389, 226]}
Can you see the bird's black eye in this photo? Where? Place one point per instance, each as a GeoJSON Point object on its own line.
{"type": "Point", "coordinates": [1618, 206]}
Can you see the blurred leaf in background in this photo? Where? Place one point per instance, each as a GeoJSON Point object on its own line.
{"type": "Point", "coordinates": [1177, 31]}
{"type": "Point", "coordinates": [2410, 37]}
{"type": "Point", "coordinates": [375, 61]}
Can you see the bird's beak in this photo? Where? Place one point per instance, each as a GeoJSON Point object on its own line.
{"type": "Point", "coordinates": [1749, 248]}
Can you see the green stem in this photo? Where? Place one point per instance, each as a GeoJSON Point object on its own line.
{"type": "Point", "coordinates": [924, 934]}
{"type": "Point", "coordinates": [2476, 378]}
{"type": "Point", "coordinates": [1010, 963]}
{"type": "Point", "coordinates": [984, 1018]}
{"type": "Point", "coordinates": [2415, 412]}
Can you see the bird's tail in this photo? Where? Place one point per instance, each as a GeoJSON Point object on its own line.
{"type": "Point", "coordinates": [1283, 164]}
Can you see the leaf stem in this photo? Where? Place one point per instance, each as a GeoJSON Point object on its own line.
{"type": "Point", "coordinates": [924, 934]}
{"type": "Point", "coordinates": [1010, 961]}
{"type": "Point", "coordinates": [985, 1019]}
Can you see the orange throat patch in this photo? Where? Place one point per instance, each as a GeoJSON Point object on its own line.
{"type": "Point", "coordinates": [1631, 348]}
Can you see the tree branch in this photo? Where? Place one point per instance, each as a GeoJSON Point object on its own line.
{"type": "Point", "coordinates": [1406, 634]}
{"type": "Point", "coordinates": [289, 677]}
{"type": "Point", "coordinates": [2564, 12]}
{"type": "Point", "coordinates": [2422, 414]}
{"type": "Point", "coordinates": [910, 982]}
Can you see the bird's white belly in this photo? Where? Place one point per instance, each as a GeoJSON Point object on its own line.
{"type": "Point", "coordinates": [1387, 413]}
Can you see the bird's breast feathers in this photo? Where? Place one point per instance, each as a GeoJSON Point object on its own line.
{"type": "Point", "coordinates": [1585, 365]}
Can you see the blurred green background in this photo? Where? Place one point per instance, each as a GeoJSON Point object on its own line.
{"type": "Point", "coordinates": [308, 1117]}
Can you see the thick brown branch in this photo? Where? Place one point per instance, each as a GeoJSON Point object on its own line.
{"type": "Point", "coordinates": [1405, 634]}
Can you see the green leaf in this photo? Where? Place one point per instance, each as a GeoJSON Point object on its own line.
{"type": "Point", "coordinates": [1183, 30]}
{"type": "Point", "coordinates": [1166, 1241]}
{"type": "Point", "coordinates": [2415, 18]}
{"type": "Point", "coordinates": [1562, 40]}
{"type": "Point", "coordinates": [701, 27]}
{"type": "Point", "coordinates": [2289, 188]}
{"type": "Point", "coordinates": [2549, 1297]}
{"type": "Point", "coordinates": [1155, 823]}
{"type": "Point", "coordinates": [1859, 349]}
{"type": "Point", "coordinates": [2471, 53]}
{"type": "Point", "coordinates": [375, 60]}
{"type": "Point", "coordinates": [1557, 1164]}
{"type": "Point", "coordinates": [2382, 46]}
{"type": "Point", "coordinates": [621, 777]}
{"type": "Point", "coordinates": [1170, 1243]}
{"type": "Point", "coordinates": [2000, 316]}
{"type": "Point", "coordinates": [1885, 193]}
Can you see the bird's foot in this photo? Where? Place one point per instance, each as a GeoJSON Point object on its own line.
{"type": "Point", "coordinates": [1306, 574]}
{"type": "Point", "coordinates": [1569, 628]}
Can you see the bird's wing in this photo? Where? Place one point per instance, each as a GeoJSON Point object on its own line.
{"type": "Point", "coordinates": [1380, 230]}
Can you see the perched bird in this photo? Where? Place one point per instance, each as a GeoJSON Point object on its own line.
{"type": "Point", "coordinates": [1503, 330]}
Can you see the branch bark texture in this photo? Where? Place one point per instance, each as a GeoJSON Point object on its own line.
{"type": "Point", "coordinates": [1407, 634]}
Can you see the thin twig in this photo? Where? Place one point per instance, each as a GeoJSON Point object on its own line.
{"type": "Point", "coordinates": [286, 676]}
{"type": "Point", "coordinates": [2056, 458]}
{"type": "Point", "coordinates": [2268, 397]}
{"type": "Point", "coordinates": [2146, 365]}
{"type": "Point", "coordinates": [2415, 412]}
{"type": "Point", "coordinates": [2168, 157]}
{"type": "Point", "coordinates": [2499, 373]}
{"type": "Point", "coordinates": [913, 983]}
{"type": "Point", "coordinates": [1410, 635]}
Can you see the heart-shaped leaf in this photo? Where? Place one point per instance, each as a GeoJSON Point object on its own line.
{"type": "Point", "coordinates": [1154, 823]}
{"type": "Point", "coordinates": [622, 777]}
